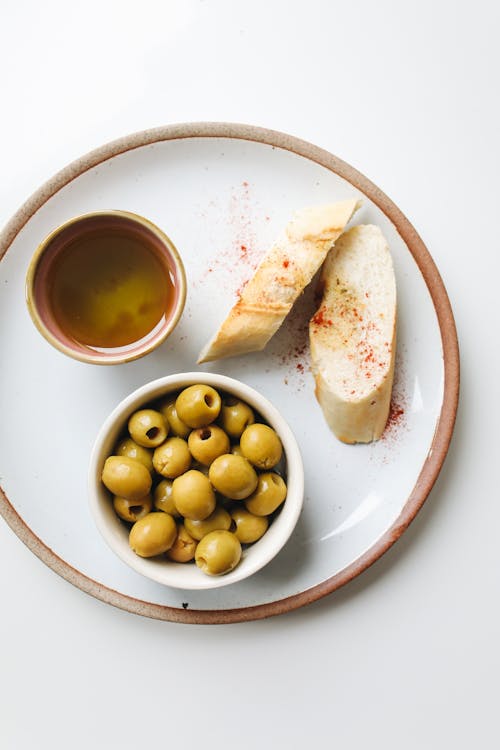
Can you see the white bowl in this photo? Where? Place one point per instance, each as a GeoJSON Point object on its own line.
{"type": "Point", "coordinates": [188, 575]}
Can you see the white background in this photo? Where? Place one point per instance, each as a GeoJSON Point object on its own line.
{"type": "Point", "coordinates": [406, 656]}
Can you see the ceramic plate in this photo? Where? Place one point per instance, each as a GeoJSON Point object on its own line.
{"type": "Point", "coordinates": [222, 193]}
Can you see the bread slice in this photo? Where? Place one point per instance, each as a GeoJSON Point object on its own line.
{"type": "Point", "coordinates": [353, 335]}
{"type": "Point", "coordinates": [287, 268]}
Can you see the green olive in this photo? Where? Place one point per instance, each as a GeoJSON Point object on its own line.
{"type": "Point", "coordinates": [153, 534]}
{"type": "Point", "coordinates": [128, 447]}
{"type": "Point", "coordinates": [235, 416]}
{"type": "Point", "coordinates": [218, 553]}
{"type": "Point", "coordinates": [198, 405]}
{"type": "Point", "coordinates": [148, 428]}
{"type": "Point", "coordinates": [172, 458]}
{"type": "Point", "coordinates": [163, 499]}
{"type": "Point", "coordinates": [207, 443]}
{"type": "Point", "coordinates": [126, 477]}
{"type": "Point", "coordinates": [270, 493]}
{"type": "Point", "coordinates": [261, 445]}
{"type": "Point", "coordinates": [183, 548]}
{"type": "Point", "coordinates": [219, 519]}
{"type": "Point", "coordinates": [249, 527]}
{"type": "Point", "coordinates": [193, 495]}
{"type": "Point", "coordinates": [132, 510]}
{"type": "Point", "coordinates": [233, 476]}
{"type": "Point", "coordinates": [177, 426]}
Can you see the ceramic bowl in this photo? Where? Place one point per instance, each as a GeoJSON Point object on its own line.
{"type": "Point", "coordinates": [187, 575]}
{"type": "Point", "coordinates": [38, 275]}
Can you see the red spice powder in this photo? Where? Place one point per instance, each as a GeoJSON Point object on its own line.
{"type": "Point", "coordinates": [320, 320]}
{"type": "Point", "coordinates": [289, 348]}
{"type": "Point", "coordinates": [286, 263]}
{"type": "Point", "coordinates": [367, 358]}
{"type": "Point", "coordinates": [235, 262]}
{"type": "Point", "coordinates": [397, 421]}
{"type": "Point", "coordinates": [396, 414]}
{"type": "Point", "coordinates": [241, 287]}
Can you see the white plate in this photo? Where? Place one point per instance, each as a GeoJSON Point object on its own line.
{"type": "Point", "coordinates": [222, 193]}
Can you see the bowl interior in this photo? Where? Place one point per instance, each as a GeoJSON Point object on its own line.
{"type": "Point", "coordinates": [187, 575]}
{"type": "Point", "coordinates": [102, 224]}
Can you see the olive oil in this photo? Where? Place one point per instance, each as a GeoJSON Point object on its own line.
{"type": "Point", "coordinates": [109, 288]}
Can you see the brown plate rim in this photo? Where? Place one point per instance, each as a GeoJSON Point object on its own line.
{"type": "Point", "coordinates": [444, 428]}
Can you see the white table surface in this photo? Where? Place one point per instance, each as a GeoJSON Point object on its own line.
{"type": "Point", "coordinates": [407, 655]}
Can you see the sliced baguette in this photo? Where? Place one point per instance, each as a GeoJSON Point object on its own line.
{"type": "Point", "coordinates": [287, 268]}
{"type": "Point", "coordinates": [353, 335]}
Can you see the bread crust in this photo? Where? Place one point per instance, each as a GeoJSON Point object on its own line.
{"type": "Point", "coordinates": [353, 336]}
{"type": "Point", "coordinates": [280, 278]}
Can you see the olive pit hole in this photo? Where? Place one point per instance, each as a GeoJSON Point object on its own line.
{"type": "Point", "coordinates": [231, 401]}
{"type": "Point", "coordinates": [205, 434]}
{"type": "Point", "coordinates": [152, 433]}
{"type": "Point", "coordinates": [208, 399]}
{"type": "Point", "coordinates": [275, 479]}
{"type": "Point", "coordinates": [135, 509]}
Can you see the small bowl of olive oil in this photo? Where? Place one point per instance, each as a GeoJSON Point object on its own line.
{"type": "Point", "coordinates": [106, 287]}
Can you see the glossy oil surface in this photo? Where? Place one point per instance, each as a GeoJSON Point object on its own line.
{"type": "Point", "coordinates": [108, 288]}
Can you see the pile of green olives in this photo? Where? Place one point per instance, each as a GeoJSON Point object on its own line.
{"type": "Point", "coordinates": [198, 476]}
